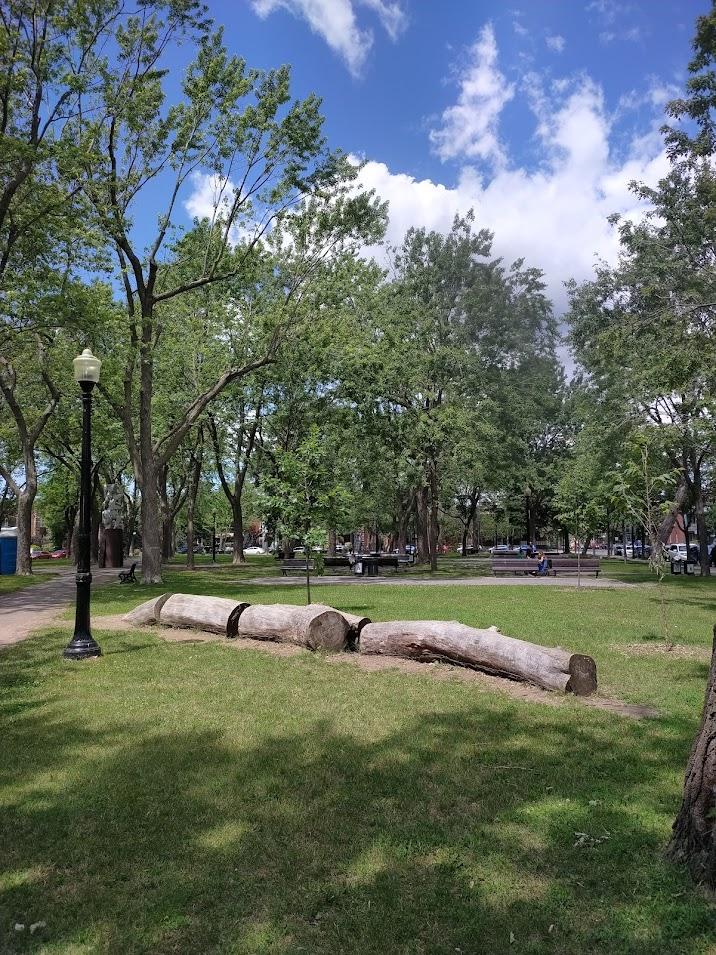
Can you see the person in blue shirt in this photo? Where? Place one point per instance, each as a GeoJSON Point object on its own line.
{"type": "Point", "coordinates": [542, 566]}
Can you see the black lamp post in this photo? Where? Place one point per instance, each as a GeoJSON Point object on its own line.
{"type": "Point", "coordinates": [213, 539]}
{"type": "Point", "coordinates": [83, 644]}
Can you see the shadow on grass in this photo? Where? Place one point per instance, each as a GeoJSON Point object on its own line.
{"type": "Point", "coordinates": [441, 832]}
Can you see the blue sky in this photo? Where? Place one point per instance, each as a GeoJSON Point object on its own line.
{"type": "Point", "coordinates": [537, 114]}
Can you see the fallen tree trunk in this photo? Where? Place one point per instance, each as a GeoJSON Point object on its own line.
{"type": "Point", "coordinates": [147, 613]}
{"type": "Point", "coordinates": [314, 626]}
{"type": "Point", "coordinates": [355, 624]}
{"type": "Point", "coordinates": [215, 614]}
{"type": "Point", "coordinates": [488, 650]}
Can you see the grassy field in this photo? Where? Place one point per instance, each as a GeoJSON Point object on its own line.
{"type": "Point", "coordinates": [9, 583]}
{"type": "Point", "coordinates": [173, 798]}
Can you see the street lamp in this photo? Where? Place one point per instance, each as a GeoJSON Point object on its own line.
{"type": "Point", "coordinates": [83, 645]}
{"type": "Point", "coordinates": [213, 540]}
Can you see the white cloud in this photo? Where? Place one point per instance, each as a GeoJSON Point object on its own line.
{"type": "Point", "coordinates": [519, 28]}
{"type": "Point", "coordinates": [336, 22]}
{"type": "Point", "coordinates": [554, 216]}
{"type": "Point", "coordinates": [211, 198]}
{"type": "Point", "coordinates": [556, 42]}
{"type": "Point", "coordinates": [469, 127]}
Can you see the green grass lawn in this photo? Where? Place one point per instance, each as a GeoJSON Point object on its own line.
{"type": "Point", "coordinates": [173, 798]}
{"type": "Point", "coordinates": [9, 583]}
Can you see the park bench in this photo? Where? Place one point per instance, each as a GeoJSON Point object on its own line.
{"type": "Point", "coordinates": [127, 576]}
{"type": "Point", "coordinates": [336, 562]}
{"type": "Point", "coordinates": [558, 566]}
{"type": "Point", "coordinates": [296, 563]}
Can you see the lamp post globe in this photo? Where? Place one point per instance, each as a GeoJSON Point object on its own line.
{"type": "Point", "coordinates": [82, 646]}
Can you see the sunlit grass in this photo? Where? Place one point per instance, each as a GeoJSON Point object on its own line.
{"type": "Point", "coordinates": [192, 798]}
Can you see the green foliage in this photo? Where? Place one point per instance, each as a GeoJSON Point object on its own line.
{"type": "Point", "coordinates": [305, 495]}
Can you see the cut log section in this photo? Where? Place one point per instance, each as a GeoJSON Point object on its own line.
{"type": "Point", "coordinates": [316, 627]}
{"type": "Point", "coordinates": [147, 613]}
{"type": "Point", "coordinates": [214, 614]}
{"type": "Point", "coordinates": [488, 650]}
{"type": "Point", "coordinates": [355, 624]}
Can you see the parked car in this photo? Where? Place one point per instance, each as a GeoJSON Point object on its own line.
{"type": "Point", "coordinates": [502, 549]}
{"type": "Point", "coordinates": [619, 550]}
{"type": "Point", "coordinates": [253, 551]}
{"type": "Point", "coordinates": [677, 552]}
{"type": "Point", "coordinates": [37, 554]}
{"type": "Point", "coordinates": [59, 554]}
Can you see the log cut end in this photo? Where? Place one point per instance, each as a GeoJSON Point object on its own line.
{"type": "Point", "coordinates": [355, 624]}
{"type": "Point", "coordinates": [147, 613]}
{"type": "Point", "coordinates": [582, 675]}
{"type": "Point", "coordinates": [327, 630]}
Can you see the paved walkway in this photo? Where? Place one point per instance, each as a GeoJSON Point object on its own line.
{"type": "Point", "coordinates": [598, 583]}
{"type": "Point", "coordinates": [39, 605]}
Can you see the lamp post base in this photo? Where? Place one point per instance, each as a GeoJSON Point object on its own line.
{"type": "Point", "coordinates": [82, 647]}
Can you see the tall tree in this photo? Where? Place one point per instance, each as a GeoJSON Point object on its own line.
{"type": "Point", "coordinates": [263, 155]}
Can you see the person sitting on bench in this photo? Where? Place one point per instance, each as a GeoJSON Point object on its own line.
{"type": "Point", "coordinates": [542, 566]}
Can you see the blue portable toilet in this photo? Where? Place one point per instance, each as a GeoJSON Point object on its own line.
{"type": "Point", "coordinates": [8, 551]}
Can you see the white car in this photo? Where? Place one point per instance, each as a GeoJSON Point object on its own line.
{"type": "Point", "coordinates": [253, 551]}
{"type": "Point", "coordinates": [619, 550]}
{"type": "Point", "coordinates": [677, 552]}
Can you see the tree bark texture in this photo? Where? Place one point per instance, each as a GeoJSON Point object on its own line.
{"type": "Point", "coordinates": [488, 650]}
{"type": "Point", "coordinates": [24, 523]}
{"type": "Point", "coordinates": [214, 614]}
{"type": "Point", "coordinates": [314, 626]}
{"type": "Point", "coordinates": [693, 840]}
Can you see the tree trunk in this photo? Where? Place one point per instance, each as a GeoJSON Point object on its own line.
{"type": "Point", "coordinates": [149, 469]}
{"type": "Point", "coordinates": [191, 504]}
{"type": "Point", "coordinates": [421, 521]}
{"type": "Point", "coordinates": [465, 529]}
{"type": "Point", "coordinates": [167, 535]}
{"type": "Point", "coordinates": [489, 650]}
{"type": "Point", "coordinates": [403, 522]}
{"type": "Point", "coordinates": [151, 534]}
{"type": "Point", "coordinates": [315, 626]}
{"type": "Point", "coordinates": [237, 524]}
{"type": "Point", "coordinates": [702, 532]}
{"type": "Point", "coordinates": [331, 542]}
{"type": "Point", "coordinates": [434, 520]}
{"type": "Point", "coordinates": [24, 503]}
{"type": "Point", "coordinates": [693, 840]}
{"type": "Point", "coordinates": [667, 524]}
